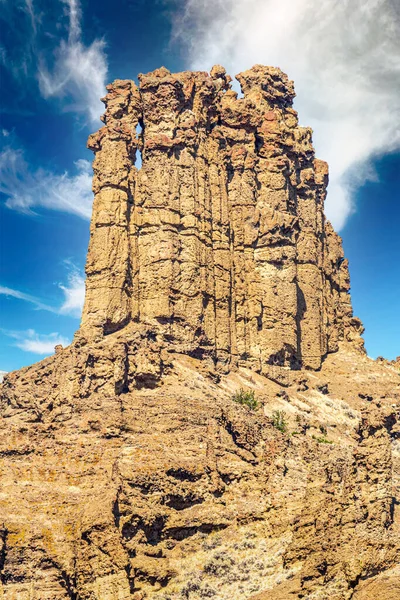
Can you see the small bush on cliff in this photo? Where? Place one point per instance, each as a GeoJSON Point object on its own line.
{"type": "Point", "coordinates": [246, 397]}
{"type": "Point", "coordinates": [198, 587]}
{"type": "Point", "coordinates": [219, 564]}
{"type": "Point", "coordinates": [322, 439]}
{"type": "Point", "coordinates": [279, 420]}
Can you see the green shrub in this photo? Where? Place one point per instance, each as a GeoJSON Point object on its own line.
{"type": "Point", "coordinates": [246, 397]}
{"type": "Point", "coordinates": [279, 420]}
{"type": "Point", "coordinates": [322, 440]}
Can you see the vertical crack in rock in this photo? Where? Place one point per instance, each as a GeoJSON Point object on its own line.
{"type": "Point", "coordinates": [3, 554]}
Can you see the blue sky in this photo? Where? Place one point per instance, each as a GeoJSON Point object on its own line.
{"type": "Point", "coordinates": [57, 55]}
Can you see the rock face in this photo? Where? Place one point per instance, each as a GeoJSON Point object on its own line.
{"type": "Point", "coordinates": [128, 470]}
{"type": "Point", "coordinates": [219, 240]}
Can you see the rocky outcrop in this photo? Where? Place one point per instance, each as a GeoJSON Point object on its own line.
{"type": "Point", "coordinates": [178, 492]}
{"type": "Point", "coordinates": [219, 241]}
{"type": "Point", "coordinates": [128, 467]}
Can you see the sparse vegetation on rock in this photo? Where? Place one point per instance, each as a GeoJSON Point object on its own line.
{"type": "Point", "coordinates": [279, 420]}
{"type": "Point", "coordinates": [246, 397]}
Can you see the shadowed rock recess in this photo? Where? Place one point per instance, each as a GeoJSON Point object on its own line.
{"type": "Point", "coordinates": [127, 468]}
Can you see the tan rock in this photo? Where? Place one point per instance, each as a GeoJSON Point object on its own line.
{"type": "Point", "coordinates": [127, 469]}
{"type": "Point", "coordinates": [220, 236]}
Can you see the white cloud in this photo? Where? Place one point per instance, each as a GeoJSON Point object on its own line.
{"type": "Point", "coordinates": [31, 12]}
{"type": "Point", "coordinates": [5, 291]}
{"type": "Point", "coordinates": [73, 290]}
{"type": "Point", "coordinates": [344, 58]}
{"type": "Point", "coordinates": [79, 72]}
{"type": "Point", "coordinates": [48, 45]}
{"type": "Point", "coordinates": [37, 343]}
{"type": "Point", "coordinates": [74, 18]}
{"type": "Point", "coordinates": [26, 189]}
{"type": "Point", "coordinates": [2, 373]}
{"type": "Point", "coordinates": [74, 293]}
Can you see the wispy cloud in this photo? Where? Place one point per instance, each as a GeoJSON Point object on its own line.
{"type": "Point", "coordinates": [31, 341]}
{"type": "Point", "coordinates": [74, 294]}
{"type": "Point", "coordinates": [26, 189]}
{"type": "Point", "coordinates": [6, 291]}
{"type": "Point", "coordinates": [17, 51]}
{"type": "Point", "coordinates": [79, 72]}
{"type": "Point", "coordinates": [74, 19]}
{"type": "Point", "coordinates": [47, 46]}
{"type": "Point", "coordinates": [73, 291]}
{"type": "Point", "coordinates": [31, 12]}
{"type": "Point", "coordinates": [343, 56]}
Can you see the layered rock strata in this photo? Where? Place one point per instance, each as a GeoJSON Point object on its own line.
{"type": "Point", "coordinates": [179, 493]}
{"type": "Point", "coordinates": [127, 468]}
{"type": "Point", "coordinates": [219, 241]}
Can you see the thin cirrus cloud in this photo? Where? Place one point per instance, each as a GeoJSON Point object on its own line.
{"type": "Point", "coordinates": [31, 13]}
{"type": "Point", "coordinates": [36, 343]}
{"type": "Point", "coordinates": [26, 189]}
{"type": "Point", "coordinates": [344, 58]}
{"type": "Point", "coordinates": [79, 72]}
{"type": "Point", "coordinates": [73, 290]}
{"type": "Point", "coordinates": [47, 46]}
{"type": "Point", "coordinates": [11, 293]}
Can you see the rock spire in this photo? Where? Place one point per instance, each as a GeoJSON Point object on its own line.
{"type": "Point", "coordinates": [218, 243]}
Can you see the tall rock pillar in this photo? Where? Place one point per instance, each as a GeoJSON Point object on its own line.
{"type": "Point", "coordinates": [218, 244]}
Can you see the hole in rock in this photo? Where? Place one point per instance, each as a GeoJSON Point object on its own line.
{"type": "Point", "coordinates": [139, 131]}
{"type": "Point", "coordinates": [236, 87]}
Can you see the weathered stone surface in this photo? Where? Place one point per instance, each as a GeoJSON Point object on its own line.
{"type": "Point", "coordinates": [127, 469]}
{"type": "Point", "coordinates": [219, 240]}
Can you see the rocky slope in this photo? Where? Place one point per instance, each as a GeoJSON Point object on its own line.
{"type": "Point", "coordinates": [127, 468]}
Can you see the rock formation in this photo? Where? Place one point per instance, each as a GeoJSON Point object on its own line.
{"type": "Point", "coordinates": [128, 470]}
{"type": "Point", "coordinates": [219, 240]}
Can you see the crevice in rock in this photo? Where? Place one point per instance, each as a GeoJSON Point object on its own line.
{"type": "Point", "coordinates": [3, 555]}
{"type": "Point", "coordinates": [115, 509]}
{"type": "Point", "coordinates": [182, 533]}
{"type": "Point", "coordinates": [230, 428]}
{"type": "Point", "coordinates": [181, 502]}
{"type": "Point", "coordinates": [68, 585]}
{"type": "Point", "coordinates": [183, 475]}
{"type": "Point", "coordinates": [113, 326]}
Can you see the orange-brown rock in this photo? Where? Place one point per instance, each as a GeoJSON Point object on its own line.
{"type": "Point", "coordinates": [127, 468]}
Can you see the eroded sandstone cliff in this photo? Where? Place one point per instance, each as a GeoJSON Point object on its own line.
{"type": "Point", "coordinates": [127, 469]}
{"type": "Point", "coordinates": [220, 238]}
